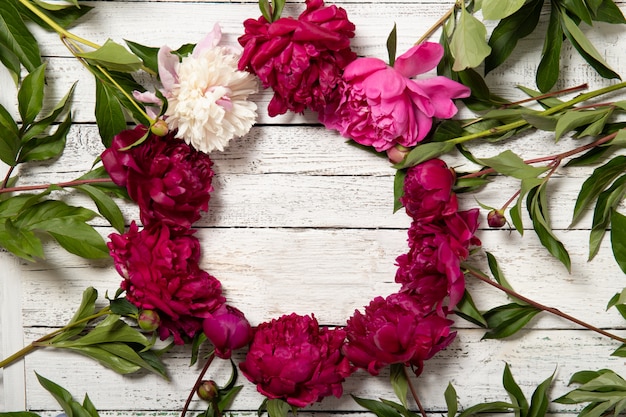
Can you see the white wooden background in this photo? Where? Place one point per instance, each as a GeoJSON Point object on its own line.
{"type": "Point", "coordinates": [301, 221]}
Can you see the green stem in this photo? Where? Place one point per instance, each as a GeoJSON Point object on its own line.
{"type": "Point", "coordinates": [41, 341]}
{"type": "Point", "coordinates": [520, 123]}
{"type": "Point", "coordinates": [58, 29]}
{"type": "Point", "coordinates": [437, 24]}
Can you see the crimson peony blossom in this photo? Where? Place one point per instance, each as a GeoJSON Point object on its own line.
{"type": "Point", "coordinates": [293, 359]}
{"type": "Point", "coordinates": [169, 180]}
{"type": "Point", "coordinates": [228, 329]}
{"type": "Point", "coordinates": [428, 191]}
{"type": "Point", "coordinates": [381, 106]}
{"type": "Point", "coordinates": [395, 330]}
{"type": "Point", "coordinates": [161, 273]}
{"type": "Point", "coordinates": [300, 59]}
{"type": "Point", "coordinates": [431, 270]}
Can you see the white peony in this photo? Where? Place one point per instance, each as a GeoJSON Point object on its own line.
{"type": "Point", "coordinates": [207, 95]}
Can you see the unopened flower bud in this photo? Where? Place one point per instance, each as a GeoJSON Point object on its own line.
{"type": "Point", "coordinates": [397, 153]}
{"type": "Point", "coordinates": [159, 128]}
{"type": "Point", "coordinates": [149, 320]}
{"type": "Point", "coordinates": [496, 218]}
{"type": "Point", "coordinates": [208, 390]}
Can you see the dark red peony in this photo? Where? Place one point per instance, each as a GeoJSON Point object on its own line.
{"type": "Point", "coordinates": [161, 273]}
{"type": "Point", "coordinates": [302, 59]}
{"type": "Point", "coordinates": [395, 330]}
{"type": "Point", "coordinates": [169, 180]}
{"type": "Point", "coordinates": [293, 359]}
{"type": "Point", "coordinates": [228, 329]}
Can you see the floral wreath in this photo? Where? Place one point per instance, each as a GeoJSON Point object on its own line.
{"type": "Point", "coordinates": [391, 108]}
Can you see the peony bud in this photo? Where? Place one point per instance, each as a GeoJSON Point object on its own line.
{"type": "Point", "coordinates": [159, 128]}
{"type": "Point", "coordinates": [496, 218]}
{"type": "Point", "coordinates": [228, 330]}
{"type": "Point", "coordinates": [397, 154]}
{"type": "Point", "coordinates": [208, 390]}
{"type": "Point", "coordinates": [149, 320]}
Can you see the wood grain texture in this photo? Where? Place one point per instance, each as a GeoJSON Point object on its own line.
{"type": "Point", "coordinates": [301, 221]}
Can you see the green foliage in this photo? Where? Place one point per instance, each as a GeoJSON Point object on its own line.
{"type": "Point", "coordinates": [467, 310]}
{"type": "Point", "coordinates": [17, 41]}
{"type": "Point", "coordinates": [398, 189]}
{"type": "Point", "coordinates": [271, 11]}
{"type": "Point", "coordinates": [604, 390]}
{"type": "Point", "coordinates": [392, 42]}
{"type": "Point", "coordinates": [226, 394]}
{"type": "Point", "coordinates": [469, 42]}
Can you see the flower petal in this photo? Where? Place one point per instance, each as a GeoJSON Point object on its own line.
{"type": "Point", "coordinates": [419, 59]}
{"type": "Point", "coordinates": [167, 68]}
{"type": "Point", "coordinates": [211, 40]}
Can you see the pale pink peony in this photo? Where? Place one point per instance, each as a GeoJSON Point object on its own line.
{"type": "Point", "coordinates": [300, 59]}
{"type": "Point", "coordinates": [395, 330]}
{"type": "Point", "coordinates": [381, 106]}
{"type": "Point", "coordinates": [293, 359]}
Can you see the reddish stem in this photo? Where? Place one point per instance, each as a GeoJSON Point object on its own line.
{"type": "Point", "coordinates": [73, 183]}
{"type": "Point", "coordinates": [414, 393]}
{"type": "Point", "coordinates": [542, 307]}
{"type": "Point", "coordinates": [197, 384]}
{"type": "Point", "coordinates": [548, 95]}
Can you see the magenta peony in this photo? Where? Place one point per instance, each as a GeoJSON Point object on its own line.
{"type": "Point", "coordinates": [395, 330]}
{"type": "Point", "coordinates": [431, 270]}
{"type": "Point", "coordinates": [300, 59]}
{"type": "Point", "coordinates": [428, 191]}
{"type": "Point", "coordinates": [381, 106]}
{"type": "Point", "coordinates": [169, 181]}
{"type": "Point", "coordinates": [293, 359]}
{"type": "Point", "coordinates": [228, 329]}
{"type": "Point", "coordinates": [161, 273]}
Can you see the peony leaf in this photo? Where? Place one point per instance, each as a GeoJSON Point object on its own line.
{"type": "Point", "coordinates": [618, 238]}
{"type": "Point", "coordinates": [578, 8]}
{"type": "Point", "coordinates": [399, 382]}
{"type": "Point", "coordinates": [392, 43]}
{"type": "Point", "coordinates": [469, 45]}
{"type": "Point", "coordinates": [110, 330]}
{"type": "Point", "coordinates": [62, 14]}
{"type": "Point", "coordinates": [277, 408]}
{"type": "Point", "coordinates": [106, 206]}
{"type": "Point", "coordinates": [508, 163]}
{"type": "Point", "coordinates": [508, 319]}
{"type": "Point", "coordinates": [515, 393]}
{"type": "Point", "coordinates": [574, 119]}
{"type": "Point", "coordinates": [549, 67]}
{"type": "Point", "coordinates": [63, 397]}
{"type": "Point", "coordinates": [114, 57]}
{"type": "Point", "coordinates": [539, 401]}
{"type": "Point", "coordinates": [123, 307]}
{"type": "Point", "coordinates": [47, 147]}
{"type": "Point", "coordinates": [30, 94]}
{"type": "Point", "coordinates": [466, 309]}
{"type": "Point", "coordinates": [607, 202]}
{"type": "Point", "coordinates": [498, 9]}
{"type": "Point", "coordinates": [20, 242]}
{"type": "Point", "coordinates": [499, 275]}
{"type": "Point", "coordinates": [452, 402]}
{"type": "Point", "coordinates": [41, 125]}
{"type": "Point", "coordinates": [608, 12]}
{"type": "Point", "coordinates": [398, 189]}
{"type": "Point", "coordinates": [109, 115]}
{"type": "Point", "coordinates": [9, 139]}
{"type": "Point", "coordinates": [423, 153]}
{"type": "Point", "coordinates": [86, 309]}
{"type": "Point", "coordinates": [11, 63]}
{"type": "Point", "coordinates": [491, 407]}
{"type": "Point", "coordinates": [16, 37]}
{"type": "Point", "coordinates": [377, 407]}
{"type": "Point", "coordinates": [147, 54]}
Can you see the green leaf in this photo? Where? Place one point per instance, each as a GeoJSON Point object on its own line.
{"type": "Point", "coordinates": [109, 114]}
{"type": "Point", "coordinates": [467, 310]}
{"type": "Point", "coordinates": [399, 382]}
{"type": "Point", "coordinates": [113, 361]}
{"type": "Point", "coordinates": [452, 403]}
{"type": "Point", "coordinates": [87, 308]}
{"type": "Point", "coordinates": [423, 153]}
{"type": "Point", "coordinates": [599, 180]}
{"type": "Point", "coordinates": [579, 9]}
{"type": "Point", "coordinates": [19, 414]}
{"type": "Point", "coordinates": [515, 393]}
{"type": "Point", "coordinates": [20, 242]}
{"type": "Point", "coordinates": [547, 123]}
{"type": "Point", "coordinates": [11, 62]}
{"type": "Point", "coordinates": [277, 408]}
{"type": "Point", "coordinates": [392, 42]}
{"type": "Point", "coordinates": [377, 407]}
{"type": "Point", "coordinates": [89, 407]}
{"type": "Point", "coordinates": [123, 307]}
{"type": "Point", "coordinates": [278, 9]}
{"type": "Point", "coordinates": [110, 330]}
{"type": "Point", "coordinates": [618, 238]}
{"type": "Point", "coordinates": [106, 206]}
{"type": "Point", "coordinates": [48, 147]}
{"type": "Point", "coordinates": [16, 37]}
{"type": "Point", "coordinates": [30, 94]}
{"type": "Point", "coordinates": [398, 189]}
{"type": "Point", "coordinates": [576, 118]}
{"type": "Point", "coordinates": [266, 10]}
{"type": "Point", "coordinates": [508, 319]}
{"type": "Point", "coordinates": [539, 401]}
{"type": "Point", "coordinates": [516, 211]}
{"type": "Point", "coordinates": [499, 275]}
{"type": "Point", "coordinates": [585, 48]}
{"type": "Point", "coordinates": [490, 407]}
{"type": "Point", "coordinates": [469, 45]}
{"type": "Point", "coordinates": [607, 202]}
{"type": "Point", "coordinates": [9, 139]}
{"type": "Point", "coordinates": [508, 163]}
{"type": "Point", "coordinates": [41, 125]}
{"type": "Point", "coordinates": [114, 57]}
{"type": "Point", "coordinates": [498, 9]}
{"type": "Point", "coordinates": [64, 17]}
{"type": "Point", "coordinates": [609, 12]}
{"type": "Point", "coordinates": [549, 66]}
{"type": "Point", "coordinates": [63, 397]}
{"type": "Point", "coordinates": [148, 55]}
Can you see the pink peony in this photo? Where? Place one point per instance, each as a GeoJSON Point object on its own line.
{"type": "Point", "coordinates": [431, 270]}
{"type": "Point", "coordinates": [300, 59]}
{"type": "Point", "coordinates": [293, 359]}
{"type": "Point", "coordinates": [161, 273]}
{"type": "Point", "coordinates": [395, 330]}
{"type": "Point", "coordinates": [381, 106]}
{"type": "Point", "coordinates": [169, 181]}
{"type": "Point", "coordinates": [428, 191]}
{"type": "Point", "coordinates": [228, 330]}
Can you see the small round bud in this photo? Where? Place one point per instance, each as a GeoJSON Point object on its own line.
{"type": "Point", "coordinates": [496, 218]}
{"type": "Point", "coordinates": [208, 390]}
{"type": "Point", "coordinates": [159, 128]}
{"type": "Point", "coordinates": [397, 153]}
{"type": "Point", "coordinates": [149, 320]}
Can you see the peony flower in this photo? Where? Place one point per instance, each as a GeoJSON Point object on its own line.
{"type": "Point", "coordinates": [293, 359]}
{"type": "Point", "coordinates": [431, 270]}
{"type": "Point", "coordinates": [161, 273]}
{"type": "Point", "coordinates": [300, 59]}
{"type": "Point", "coordinates": [428, 191]}
{"type": "Point", "coordinates": [381, 106]}
{"type": "Point", "coordinates": [169, 181]}
{"type": "Point", "coordinates": [228, 330]}
{"type": "Point", "coordinates": [207, 96]}
{"type": "Point", "coordinates": [395, 330]}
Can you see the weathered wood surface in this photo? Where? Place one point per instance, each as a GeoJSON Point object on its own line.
{"type": "Point", "coordinates": [302, 222]}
